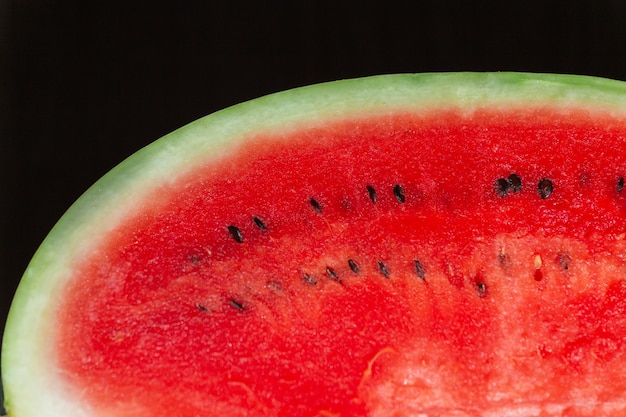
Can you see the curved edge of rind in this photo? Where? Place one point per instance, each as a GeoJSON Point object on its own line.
{"type": "Point", "coordinates": [27, 349]}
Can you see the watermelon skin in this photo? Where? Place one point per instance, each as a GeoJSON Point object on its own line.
{"type": "Point", "coordinates": [479, 288]}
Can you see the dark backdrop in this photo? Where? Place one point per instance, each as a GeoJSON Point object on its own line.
{"type": "Point", "coordinates": [84, 84]}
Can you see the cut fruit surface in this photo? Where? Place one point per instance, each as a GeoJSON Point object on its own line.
{"type": "Point", "coordinates": [419, 245]}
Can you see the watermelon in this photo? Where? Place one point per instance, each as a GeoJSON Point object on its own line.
{"type": "Point", "coordinates": [398, 245]}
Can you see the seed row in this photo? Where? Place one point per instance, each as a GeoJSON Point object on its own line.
{"type": "Point", "coordinates": [354, 267]}
{"type": "Point", "coordinates": [398, 192]}
{"type": "Point", "coordinates": [512, 183]}
{"type": "Point", "coordinates": [545, 186]}
{"type": "Point", "coordinates": [236, 234]}
{"type": "Point", "coordinates": [479, 283]}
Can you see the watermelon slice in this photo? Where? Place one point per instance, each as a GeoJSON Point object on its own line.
{"type": "Point", "coordinates": [410, 245]}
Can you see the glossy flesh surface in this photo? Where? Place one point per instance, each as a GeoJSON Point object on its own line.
{"type": "Point", "coordinates": [376, 266]}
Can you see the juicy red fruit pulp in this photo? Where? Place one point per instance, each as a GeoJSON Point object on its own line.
{"type": "Point", "coordinates": [442, 263]}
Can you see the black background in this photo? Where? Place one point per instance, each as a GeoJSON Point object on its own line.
{"type": "Point", "coordinates": [85, 84]}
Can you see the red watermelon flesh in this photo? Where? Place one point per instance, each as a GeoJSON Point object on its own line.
{"type": "Point", "coordinates": [435, 263]}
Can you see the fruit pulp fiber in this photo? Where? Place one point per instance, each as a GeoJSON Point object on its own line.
{"type": "Point", "coordinates": [368, 267]}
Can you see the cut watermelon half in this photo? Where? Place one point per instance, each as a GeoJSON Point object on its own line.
{"type": "Point", "coordinates": [403, 245]}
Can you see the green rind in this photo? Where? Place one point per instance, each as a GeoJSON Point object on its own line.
{"type": "Point", "coordinates": [31, 383]}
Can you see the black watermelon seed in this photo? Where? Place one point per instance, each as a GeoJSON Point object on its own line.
{"type": "Point", "coordinates": [259, 223]}
{"type": "Point", "coordinates": [309, 279]}
{"type": "Point", "coordinates": [236, 304]}
{"type": "Point", "coordinates": [399, 193]}
{"type": "Point", "coordinates": [515, 183]}
{"type": "Point", "coordinates": [481, 289]}
{"type": "Point", "coordinates": [383, 269]}
{"type": "Point", "coordinates": [235, 233]}
{"type": "Point", "coordinates": [201, 307]}
{"type": "Point", "coordinates": [545, 188]}
{"type": "Point", "coordinates": [501, 187]}
{"type": "Point", "coordinates": [419, 269]}
{"type": "Point", "coordinates": [620, 184]}
{"type": "Point", "coordinates": [315, 204]}
{"type": "Point", "coordinates": [372, 193]}
{"type": "Point", "coordinates": [353, 266]}
{"type": "Point", "coordinates": [332, 274]}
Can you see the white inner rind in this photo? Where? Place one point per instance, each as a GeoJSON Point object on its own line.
{"type": "Point", "coordinates": [34, 385]}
